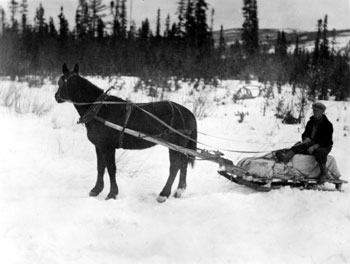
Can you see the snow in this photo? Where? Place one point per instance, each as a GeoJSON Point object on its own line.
{"type": "Point", "coordinates": [48, 168]}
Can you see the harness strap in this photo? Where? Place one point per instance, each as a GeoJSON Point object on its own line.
{"type": "Point", "coordinates": [94, 108]}
{"type": "Point", "coordinates": [129, 108]}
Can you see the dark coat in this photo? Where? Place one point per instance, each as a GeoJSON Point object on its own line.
{"type": "Point", "coordinates": [324, 133]}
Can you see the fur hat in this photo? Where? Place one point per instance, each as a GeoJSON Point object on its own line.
{"type": "Point", "coordinates": [319, 106]}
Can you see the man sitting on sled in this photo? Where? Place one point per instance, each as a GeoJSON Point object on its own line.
{"type": "Point", "coordinates": [316, 141]}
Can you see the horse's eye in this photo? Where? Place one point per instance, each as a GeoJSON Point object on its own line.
{"type": "Point", "coordinates": [60, 82]}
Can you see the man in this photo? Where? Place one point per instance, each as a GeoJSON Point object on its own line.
{"type": "Point", "coordinates": [316, 141]}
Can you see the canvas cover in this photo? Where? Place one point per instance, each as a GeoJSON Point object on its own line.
{"type": "Point", "coordinates": [300, 166]}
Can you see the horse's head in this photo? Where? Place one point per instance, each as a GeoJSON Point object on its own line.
{"type": "Point", "coordinates": [63, 93]}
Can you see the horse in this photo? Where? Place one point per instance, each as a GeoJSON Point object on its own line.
{"type": "Point", "coordinates": [165, 120]}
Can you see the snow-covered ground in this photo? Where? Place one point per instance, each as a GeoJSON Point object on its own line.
{"type": "Point", "coordinates": [47, 167]}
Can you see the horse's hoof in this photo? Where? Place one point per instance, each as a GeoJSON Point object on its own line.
{"type": "Point", "coordinates": [179, 192]}
{"type": "Point", "coordinates": [111, 196]}
{"type": "Point", "coordinates": [93, 194]}
{"type": "Point", "coordinates": [161, 199]}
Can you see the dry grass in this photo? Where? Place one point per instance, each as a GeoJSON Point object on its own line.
{"type": "Point", "coordinates": [24, 100]}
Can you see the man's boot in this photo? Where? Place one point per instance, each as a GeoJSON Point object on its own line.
{"type": "Point", "coordinates": [322, 178]}
{"type": "Point", "coordinates": [285, 157]}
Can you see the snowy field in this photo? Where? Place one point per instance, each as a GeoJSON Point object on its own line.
{"type": "Point", "coordinates": [47, 168]}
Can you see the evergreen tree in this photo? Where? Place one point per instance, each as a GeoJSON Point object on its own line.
{"type": "Point", "coordinates": [100, 29]}
{"type": "Point", "coordinates": [64, 27]}
{"type": "Point", "coordinates": [13, 11]}
{"type": "Point", "coordinates": [96, 11]}
{"type": "Point", "coordinates": [52, 28]}
{"type": "Point", "coordinates": [222, 43]}
{"type": "Point", "coordinates": [281, 44]}
{"type": "Point", "coordinates": [201, 26]}
{"type": "Point", "coordinates": [82, 19]}
{"type": "Point", "coordinates": [181, 16]}
{"type": "Point", "coordinates": [324, 46]}
{"type": "Point", "coordinates": [115, 10]}
{"type": "Point", "coordinates": [324, 61]}
{"type": "Point", "coordinates": [314, 71]}
{"type": "Point", "coordinates": [145, 31]}
{"type": "Point", "coordinates": [40, 22]}
{"type": "Point", "coordinates": [316, 54]}
{"type": "Point", "coordinates": [24, 13]}
{"type": "Point", "coordinates": [212, 20]}
{"type": "Point", "coordinates": [124, 21]}
{"type": "Point", "coordinates": [250, 31]}
{"type": "Point", "coordinates": [167, 26]}
{"type": "Point", "coordinates": [2, 20]}
{"type": "Point", "coordinates": [190, 23]}
{"type": "Point", "coordinates": [296, 49]}
{"type": "Point", "coordinates": [158, 24]}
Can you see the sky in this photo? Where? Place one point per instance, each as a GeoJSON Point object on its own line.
{"type": "Point", "coordinates": [296, 14]}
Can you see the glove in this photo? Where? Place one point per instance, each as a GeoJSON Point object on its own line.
{"type": "Point", "coordinates": [307, 140]}
{"type": "Point", "coordinates": [311, 149]}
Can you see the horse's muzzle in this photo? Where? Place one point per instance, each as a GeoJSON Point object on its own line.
{"type": "Point", "coordinates": [58, 98]}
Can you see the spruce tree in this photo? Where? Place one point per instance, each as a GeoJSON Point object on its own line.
{"type": "Point", "coordinates": [13, 10]}
{"type": "Point", "coordinates": [24, 13]}
{"type": "Point", "coordinates": [52, 28]}
{"type": "Point", "coordinates": [40, 22]}
{"type": "Point", "coordinates": [324, 47]}
{"type": "Point", "coordinates": [181, 17]}
{"type": "Point", "coordinates": [82, 19]}
{"type": "Point", "coordinates": [115, 10]}
{"type": "Point", "coordinates": [201, 26]}
{"type": "Point", "coordinates": [167, 26]}
{"type": "Point", "coordinates": [96, 11]}
{"type": "Point", "coordinates": [158, 24]}
{"type": "Point", "coordinates": [222, 43]}
{"type": "Point", "coordinates": [190, 23]}
{"type": "Point", "coordinates": [64, 27]}
{"type": "Point", "coordinates": [250, 27]}
{"type": "Point", "coordinates": [124, 21]}
{"type": "Point", "coordinates": [2, 21]}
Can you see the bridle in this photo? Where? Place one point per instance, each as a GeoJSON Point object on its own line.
{"type": "Point", "coordinates": [62, 84]}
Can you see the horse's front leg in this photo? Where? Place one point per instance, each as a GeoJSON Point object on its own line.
{"type": "Point", "coordinates": [101, 166]}
{"type": "Point", "coordinates": [109, 159]}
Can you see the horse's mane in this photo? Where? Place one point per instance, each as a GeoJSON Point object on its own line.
{"type": "Point", "coordinates": [91, 90]}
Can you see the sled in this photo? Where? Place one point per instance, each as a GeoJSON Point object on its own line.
{"type": "Point", "coordinates": [301, 172]}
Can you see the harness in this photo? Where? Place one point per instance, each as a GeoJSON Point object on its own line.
{"type": "Point", "coordinates": [95, 107]}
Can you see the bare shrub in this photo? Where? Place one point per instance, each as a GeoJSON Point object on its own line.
{"type": "Point", "coordinates": [241, 116]}
{"type": "Point", "coordinates": [201, 106]}
{"type": "Point", "coordinates": [23, 100]}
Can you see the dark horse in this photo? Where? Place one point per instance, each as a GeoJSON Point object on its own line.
{"type": "Point", "coordinates": [72, 87]}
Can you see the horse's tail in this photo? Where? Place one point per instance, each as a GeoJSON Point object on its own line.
{"type": "Point", "coordinates": [192, 144]}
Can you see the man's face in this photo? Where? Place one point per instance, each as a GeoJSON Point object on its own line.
{"type": "Point", "coordinates": [317, 113]}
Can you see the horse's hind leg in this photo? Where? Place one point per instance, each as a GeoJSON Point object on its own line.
{"type": "Point", "coordinates": [101, 166]}
{"type": "Point", "coordinates": [174, 168]}
{"type": "Point", "coordinates": [183, 174]}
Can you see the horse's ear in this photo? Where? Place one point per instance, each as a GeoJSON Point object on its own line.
{"type": "Point", "coordinates": [65, 69]}
{"type": "Point", "coordinates": [76, 69]}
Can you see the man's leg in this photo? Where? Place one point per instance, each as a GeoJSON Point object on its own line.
{"type": "Point", "coordinates": [299, 148]}
{"type": "Point", "coordinates": [321, 158]}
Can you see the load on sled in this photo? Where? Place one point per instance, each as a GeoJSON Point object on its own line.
{"type": "Point", "coordinates": [268, 172]}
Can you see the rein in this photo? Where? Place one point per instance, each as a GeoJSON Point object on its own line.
{"type": "Point", "coordinates": [92, 112]}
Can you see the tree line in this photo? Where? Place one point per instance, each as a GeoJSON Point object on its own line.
{"type": "Point", "coordinates": [104, 42]}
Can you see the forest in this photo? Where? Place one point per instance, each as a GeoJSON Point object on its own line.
{"type": "Point", "coordinates": [105, 43]}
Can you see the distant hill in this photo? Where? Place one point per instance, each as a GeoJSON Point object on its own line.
{"type": "Point", "coordinates": [306, 38]}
